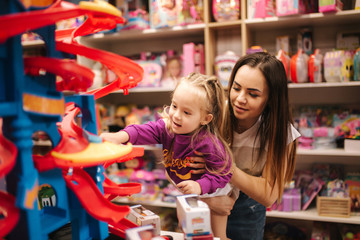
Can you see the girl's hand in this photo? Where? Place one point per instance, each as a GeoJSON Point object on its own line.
{"type": "Point", "coordinates": [189, 187]}
{"type": "Point", "coordinates": [221, 205]}
{"type": "Point", "coordinates": [117, 137]}
{"type": "Point", "coordinates": [198, 163]}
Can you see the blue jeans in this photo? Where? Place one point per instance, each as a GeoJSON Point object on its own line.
{"type": "Point", "coordinates": [247, 219]}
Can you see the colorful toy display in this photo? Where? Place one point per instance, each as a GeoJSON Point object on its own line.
{"type": "Point", "coordinates": [45, 192]}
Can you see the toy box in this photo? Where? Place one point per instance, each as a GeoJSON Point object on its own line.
{"type": "Point", "coordinates": [142, 216]}
{"type": "Point", "coordinates": [333, 206]}
{"type": "Point", "coordinates": [141, 233]}
{"type": "Point", "coordinates": [260, 8]}
{"type": "Point", "coordinates": [190, 12]}
{"type": "Point", "coordinates": [193, 215]}
{"type": "Point", "coordinates": [163, 13]}
{"type": "Point", "coordinates": [226, 10]}
{"type": "Point", "coordinates": [338, 66]}
{"type": "Point", "coordinates": [286, 7]}
{"type": "Point", "coordinates": [352, 145]}
{"type": "Point", "coordinates": [223, 66]}
{"type": "Point", "coordinates": [193, 58]}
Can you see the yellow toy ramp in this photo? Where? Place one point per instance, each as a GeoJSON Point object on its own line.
{"type": "Point", "coordinates": [100, 6]}
{"type": "Point", "coordinates": [93, 154]}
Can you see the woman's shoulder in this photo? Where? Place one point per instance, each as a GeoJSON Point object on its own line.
{"type": "Point", "coordinates": [293, 133]}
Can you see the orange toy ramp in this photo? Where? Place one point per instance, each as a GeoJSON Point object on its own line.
{"type": "Point", "coordinates": [9, 212]}
{"type": "Point", "coordinates": [92, 199]}
{"type": "Point", "coordinates": [120, 228]}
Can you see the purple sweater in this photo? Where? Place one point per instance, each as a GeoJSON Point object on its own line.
{"type": "Point", "coordinates": [156, 133]}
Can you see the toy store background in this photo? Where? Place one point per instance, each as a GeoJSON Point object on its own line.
{"type": "Point", "coordinates": [319, 45]}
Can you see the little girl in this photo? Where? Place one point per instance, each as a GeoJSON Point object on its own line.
{"type": "Point", "coordinates": [189, 127]}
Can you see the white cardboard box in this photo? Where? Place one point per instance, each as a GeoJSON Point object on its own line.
{"type": "Point", "coordinates": [142, 216]}
{"type": "Point", "coordinates": [193, 215]}
{"type": "Point", "coordinates": [352, 145]}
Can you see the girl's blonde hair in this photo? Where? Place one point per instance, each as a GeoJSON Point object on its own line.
{"type": "Point", "coordinates": [211, 97]}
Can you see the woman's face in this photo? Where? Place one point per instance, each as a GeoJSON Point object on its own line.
{"type": "Point", "coordinates": [248, 96]}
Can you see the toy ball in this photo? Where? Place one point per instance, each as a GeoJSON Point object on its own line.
{"type": "Point", "coordinates": [226, 10]}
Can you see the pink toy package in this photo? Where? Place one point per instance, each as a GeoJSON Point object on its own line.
{"type": "Point", "coordinates": [190, 12]}
{"type": "Point", "coordinates": [193, 58]}
{"type": "Point", "coordinates": [163, 13]}
{"type": "Point", "coordinates": [260, 8]}
{"type": "Point", "coordinates": [330, 5]}
{"type": "Point", "coordinates": [292, 7]}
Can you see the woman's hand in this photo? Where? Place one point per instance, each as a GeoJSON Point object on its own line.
{"type": "Point", "coordinates": [189, 187]}
{"type": "Point", "coordinates": [221, 205]}
{"type": "Point", "coordinates": [198, 163]}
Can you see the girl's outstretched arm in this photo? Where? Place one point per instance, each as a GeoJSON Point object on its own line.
{"type": "Point", "coordinates": [117, 137]}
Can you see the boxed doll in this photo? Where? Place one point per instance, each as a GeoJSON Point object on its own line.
{"type": "Point", "coordinates": [260, 8]}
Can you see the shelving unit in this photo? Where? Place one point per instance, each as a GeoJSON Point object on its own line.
{"type": "Point", "coordinates": [238, 36]}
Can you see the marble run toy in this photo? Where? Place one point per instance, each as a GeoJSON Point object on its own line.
{"type": "Point", "coordinates": [45, 192]}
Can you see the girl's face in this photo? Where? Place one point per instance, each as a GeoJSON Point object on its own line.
{"type": "Point", "coordinates": [187, 110]}
{"type": "Point", "coordinates": [248, 96]}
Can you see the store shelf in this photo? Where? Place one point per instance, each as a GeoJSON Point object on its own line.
{"type": "Point", "coordinates": [324, 85]}
{"type": "Point", "coordinates": [307, 215]}
{"type": "Point", "coordinates": [148, 89]}
{"type": "Point", "coordinates": [148, 34]}
{"type": "Point", "coordinates": [326, 152]}
{"type": "Point", "coordinates": [154, 203]}
{"type": "Point", "coordinates": [224, 25]}
{"type": "Point", "coordinates": [312, 19]}
{"type": "Point", "coordinates": [312, 215]}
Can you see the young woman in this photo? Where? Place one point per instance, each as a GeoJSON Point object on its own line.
{"type": "Point", "coordinates": [190, 125]}
{"type": "Point", "coordinates": [258, 127]}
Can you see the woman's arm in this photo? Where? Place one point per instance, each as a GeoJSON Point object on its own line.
{"type": "Point", "coordinates": [258, 188]}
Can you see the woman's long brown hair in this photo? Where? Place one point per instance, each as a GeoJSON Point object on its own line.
{"type": "Point", "coordinates": [275, 119]}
